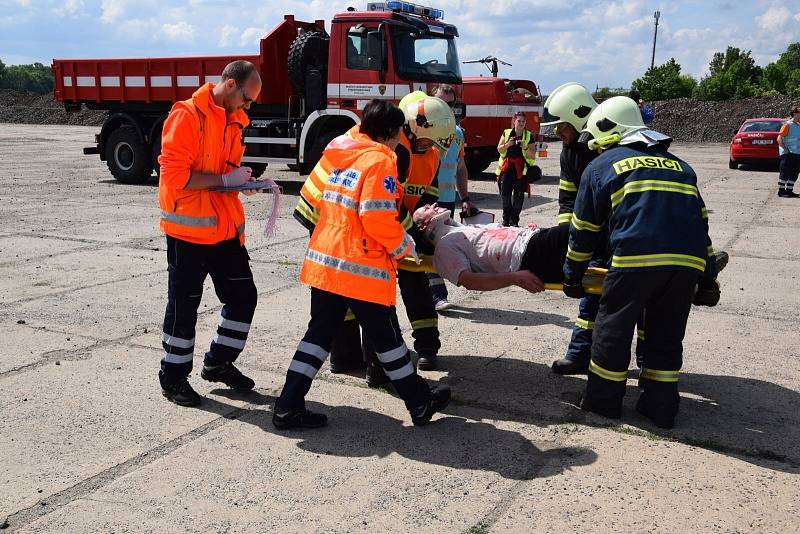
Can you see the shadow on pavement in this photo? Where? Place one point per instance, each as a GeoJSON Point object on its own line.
{"type": "Point", "coordinates": [456, 442]}
{"type": "Point", "coordinates": [753, 420]}
{"type": "Point", "coordinates": [506, 316]}
{"type": "Point", "coordinates": [447, 441]}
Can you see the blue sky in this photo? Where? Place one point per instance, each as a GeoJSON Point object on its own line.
{"type": "Point", "coordinates": [605, 43]}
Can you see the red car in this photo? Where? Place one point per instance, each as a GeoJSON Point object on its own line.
{"type": "Point", "coordinates": [756, 141]}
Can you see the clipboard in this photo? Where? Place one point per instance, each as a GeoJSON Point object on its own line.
{"type": "Point", "coordinates": [257, 184]}
{"type": "Point", "coordinates": [476, 216]}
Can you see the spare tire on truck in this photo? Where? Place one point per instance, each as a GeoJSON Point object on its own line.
{"type": "Point", "coordinates": [129, 159]}
{"type": "Point", "coordinates": [308, 53]}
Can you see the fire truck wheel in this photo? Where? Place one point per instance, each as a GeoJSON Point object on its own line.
{"type": "Point", "coordinates": [155, 151]}
{"type": "Point", "coordinates": [315, 154]}
{"type": "Point", "coordinates": [477, 163]}
{"type": "Point", "coordinates": [309, 50]}
{"type": "Point", "coordinates": [258, 168]}
{"type": "Point", "coordinates": [127, 157]}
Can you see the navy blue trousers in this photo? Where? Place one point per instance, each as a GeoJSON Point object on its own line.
{"type": "Point", "coordinates": [188, 264]}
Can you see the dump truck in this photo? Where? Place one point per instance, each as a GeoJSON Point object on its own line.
{"type": "Point", "coordinates": [316, 82]}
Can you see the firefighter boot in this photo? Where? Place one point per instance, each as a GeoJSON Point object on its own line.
{"type": "Point", "coordinates": [346, 352]}
{"type": "Point", "coordinates": [659, 402]}
{"type": "Point", "coordinates": [375, 375]}
{"type": "Point", "coordinates": [603, 397]}
{"type": "Point", "coordinates": [565, 366]}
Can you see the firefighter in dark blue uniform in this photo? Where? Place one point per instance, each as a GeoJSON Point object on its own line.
{"type": "Point", "coordinates": [566, 111]}
{"type": "Point", "coordinates": [661, 258]}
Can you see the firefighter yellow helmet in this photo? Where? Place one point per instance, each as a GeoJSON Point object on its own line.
{"type": "Point", "coordinates": [411, 98]}
{"type": "Point", "coordinates": [612, 120]}
{"type": "Point", "coordinates": [428, 117]}
{"type": "Point", "coordinates": [569, 102]}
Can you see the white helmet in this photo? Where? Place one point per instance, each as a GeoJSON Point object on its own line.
{"type": "Point", "coordinates": [569, 102]}
{"type": "Point", "coordinates": [431, 118]}
{"type": "Point", "coordinates": [612, 120]}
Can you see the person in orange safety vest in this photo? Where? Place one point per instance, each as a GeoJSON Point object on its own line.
{"type": "Point", "coordinates": [201, 151]}
{"type": "Point", "coordinates": [351, 262]}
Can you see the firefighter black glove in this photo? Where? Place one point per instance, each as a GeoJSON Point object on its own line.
{"type": "Point", "coordinates": [707, 292]}
{"type": "Point", "coordinates": [574, 289]}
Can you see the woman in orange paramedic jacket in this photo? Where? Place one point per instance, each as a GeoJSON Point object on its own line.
{"type": "Point", "coordinates": [351, 262]}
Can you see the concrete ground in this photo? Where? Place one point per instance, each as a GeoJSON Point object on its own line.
{"type": "Point", "coordinates": [90, 445]}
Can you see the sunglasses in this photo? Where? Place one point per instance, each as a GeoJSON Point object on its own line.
{"type": "Point", "coordinates": [247, 101]}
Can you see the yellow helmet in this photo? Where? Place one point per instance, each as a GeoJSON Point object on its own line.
{"type": "Point", "coordinates": [612, 120]}
{"type": "Point", "coordinates": [411, 98]}
{"type": "Point", "coordinates": [428, 117]}
{"type": "Point", "coordinates": [570, 102]}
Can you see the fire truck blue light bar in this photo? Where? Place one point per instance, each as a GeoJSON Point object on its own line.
{"type": "Point", "coordinates": [414, 9]}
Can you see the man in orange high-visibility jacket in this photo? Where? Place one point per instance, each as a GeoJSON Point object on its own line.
{"type": "Point", "coordinates": [201, 150]}
{"type": "Point", "coordinates": [350, 263]}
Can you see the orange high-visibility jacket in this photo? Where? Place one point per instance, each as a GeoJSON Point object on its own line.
{"type": "Point", "coordinates": [422, 176]}
{"type": "Point", "coordinates": [200, 136]}
{"type": "Point", "coordinates": [356, 243]}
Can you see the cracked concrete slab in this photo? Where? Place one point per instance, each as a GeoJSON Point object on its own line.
{"type": "Point", "coordinates": [90, 445]}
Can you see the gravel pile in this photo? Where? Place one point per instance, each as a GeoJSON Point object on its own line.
{"type": "Point", "coordinates": [690, 120]}
{"type": "Point", "coordinates": [685, 119]}
{"type": "Point", "coordinates": [30, 108]}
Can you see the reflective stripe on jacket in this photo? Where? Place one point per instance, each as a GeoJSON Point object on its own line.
{"type": "Point", "coordinates": [358, 239]}
{"type": "Point", "coordinates": [200, 136]}
{"type": "Point", "coordinates": [526, 140]}
{"type": "Point", "coordinates": [655, 215]}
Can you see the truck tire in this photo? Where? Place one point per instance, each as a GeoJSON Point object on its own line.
{"type": "Point", "coordinates": [309, 51]}
{"type": "Point", "coordinates": [315, 154]}
{"type": "Point", "coordinates": [128, 158]}
{"type": "Point", "coordinates": [477, 162]}
{"type": "Point", "coordinates": [258, 168]}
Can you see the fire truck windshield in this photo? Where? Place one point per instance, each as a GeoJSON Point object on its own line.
{"type": "Point", "coordinates": [425, 57]}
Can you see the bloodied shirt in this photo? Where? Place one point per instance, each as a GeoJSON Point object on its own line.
{"type": "Point", "coordinates": [481, 249]}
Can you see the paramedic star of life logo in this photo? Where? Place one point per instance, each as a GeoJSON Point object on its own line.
{"type": "Point", "coordinates": [390, 185]}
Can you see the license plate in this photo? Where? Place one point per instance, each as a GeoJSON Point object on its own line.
{"type": "Point", "coordinates": [762, 141]}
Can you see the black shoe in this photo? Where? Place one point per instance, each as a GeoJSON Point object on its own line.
{"type": "Point", "coordinates": [427, 362]}
{"type": "Point", "coordinates": [375, 376]}
{"type": "Point", "coordinates": [661, 420]}
{"type": "Point", "coordinates": [181, 393]}
{"type": "Point", "coordinates": [570, 367]}
{"type": "Point", "coordinates": [612, 412]}
{"type": "Point", "coordinates": [721, 259]}
{"type": "Point", "coordinates": [297, 419]}
{"type": "Point", "coordinates": [440, 398]}
{"type": "Point", "coordinates": [347, 367]}
{"type": "Point", "coordinates": [229, 375]}
{"type": "Point", "coordinates": [788, 194]}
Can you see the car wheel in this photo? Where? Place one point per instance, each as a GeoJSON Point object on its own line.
{"type": "Point", "coordinates": [732, 164]}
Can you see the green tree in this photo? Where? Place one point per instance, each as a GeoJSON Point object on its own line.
{"type": "Point", "coordinates": [732, 74]}
{"type": "Point", "coordinates": [603, 93]}
{"type": "Point", "coordinates": [36, 78]}
{"type": "Point", "coordinates": [664, 82]}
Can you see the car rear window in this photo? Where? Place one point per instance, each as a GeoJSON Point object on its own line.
{"type": "Point", "coordinates": [761, 126]}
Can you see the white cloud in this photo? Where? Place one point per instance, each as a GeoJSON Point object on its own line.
{"type": "Point", "coordinates": [227, 35]}
{"type": "Point", "coordinates": [180, 31]}
{"type": "Point", "coordinates": [112, 10]}
{"type": "Point", "coordinates": [251, 36]}
{"type": "Point", "coordinates": [776, 17]}
{"type": "Point", "coordinates": [68, 8]}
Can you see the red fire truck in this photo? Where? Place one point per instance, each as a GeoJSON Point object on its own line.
{"type": "Point", "coordinates": [490, 104]}
{"type": "Point", "coordinates": [315, 86]}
